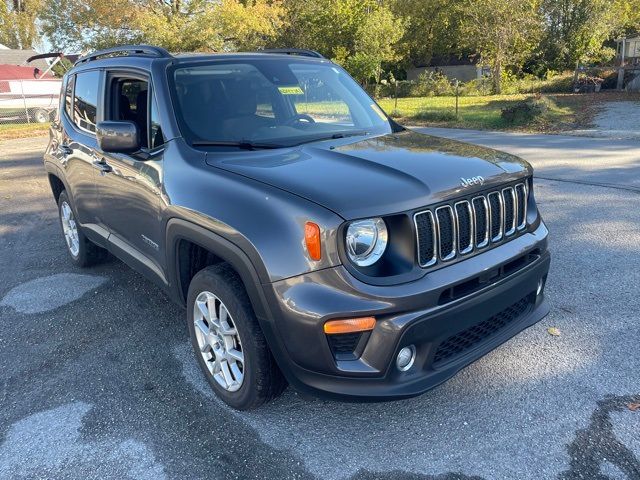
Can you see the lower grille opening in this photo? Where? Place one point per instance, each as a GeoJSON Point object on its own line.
{"type": "Point", "coordinates": [461, 342]}
{"type": "Point", "coordinates": [466, 288]}
{"type": "Point", "coordinates": [343, 345]}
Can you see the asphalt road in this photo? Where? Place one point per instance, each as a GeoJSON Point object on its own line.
{"type": "Point", "coordinates": [97, 379]}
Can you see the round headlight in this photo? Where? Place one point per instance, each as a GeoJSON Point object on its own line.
{"type": "Point", "coordinates": [366, 241]}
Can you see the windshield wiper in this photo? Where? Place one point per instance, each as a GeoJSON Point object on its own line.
{"type": "Point", "coordinates": [349, 134]}
{"type": "Point", "coordinates": [244, 145]}
{"type": "Point", "coordinates": [248, 145]}
{"type": "Point", "coordinates": [333, 136]}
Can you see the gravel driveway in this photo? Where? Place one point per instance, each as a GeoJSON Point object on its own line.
{"type": "Point", "coordinates": [97, 379]}
{"type": "Point", "coordinates": [619, 120]}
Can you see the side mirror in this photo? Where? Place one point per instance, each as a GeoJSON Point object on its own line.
{"type": "Point", "coordinates": [118, 137]}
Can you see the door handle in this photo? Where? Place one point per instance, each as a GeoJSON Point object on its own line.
{"type": "Point", "coordinates": [102, 166]}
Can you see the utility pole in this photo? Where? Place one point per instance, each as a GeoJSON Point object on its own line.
{"type": "Point", "coordinates": [620, 84]}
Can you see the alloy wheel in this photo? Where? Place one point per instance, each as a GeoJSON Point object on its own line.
{"type": "Point", "coordinates": [70, 228]}
{"type": "Point", "coordinates": [218, 341]}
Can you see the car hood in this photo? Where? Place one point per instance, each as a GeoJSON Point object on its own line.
{"type": "Point", "coordinates": [359, 177]}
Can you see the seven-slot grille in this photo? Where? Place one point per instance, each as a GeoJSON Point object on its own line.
{"type": "Point", "coordinates": [468, 225]}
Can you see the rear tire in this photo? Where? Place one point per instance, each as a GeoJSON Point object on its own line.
{"type": "Point", "coordinates": [40, 115]}
{"type": "Point", "coordinates": [228, 342]}
{"type": "Point", "coordinates": [82, 251]}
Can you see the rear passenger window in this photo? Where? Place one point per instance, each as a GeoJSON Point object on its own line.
{"type": "Point", "coordinates": [68, 96]}
{"type": "Point", "coordinates": [85, 103]}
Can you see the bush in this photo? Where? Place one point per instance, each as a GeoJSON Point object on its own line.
{"type": "Point", "coordinates": [552, 83]}
{"type": "Point", "coordinates": [476, 87]}
{"type": "Point", "coordinates": [430, 116]}
{"type": "Point", "coordinates": [434, 84]}
{"type": "Point", "coordinates": [526, 111]}
{"type": "Point", "coordinates": [430, 84]}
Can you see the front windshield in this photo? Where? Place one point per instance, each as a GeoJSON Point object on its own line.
{"type": "Point", "coordinates": [272, 101]}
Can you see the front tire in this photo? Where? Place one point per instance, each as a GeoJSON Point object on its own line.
{"type": "Point", "coordinates": [83, 252]}
{"type": "Point", "coordinates": [228, 342]}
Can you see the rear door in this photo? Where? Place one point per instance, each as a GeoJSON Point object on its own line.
{"type": "Point", "coordinates": [130, 185]}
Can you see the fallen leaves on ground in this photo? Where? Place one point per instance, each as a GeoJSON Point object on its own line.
{"type": "Point", "coordinates": [553, 331]}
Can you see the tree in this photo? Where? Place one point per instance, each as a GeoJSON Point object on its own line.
{"type": "Point", "coordinates": [18, 22]}
{"type": "Point", "coordinates": [324, 25]}
{"type": "Point", "coordinates": [375, 43]}
{"type": "Point", "coordinates": [576, 30]}
{"type": "Point", "coordinates": [359, 34]}
{"type": "Point", "coordinates": [432, 28]}
{"type": "Point", "coordinates": [503, 33]}
{"type": "Point", "coordinates": [76, 25]}
{"type": "Point", "coordinates": [180, 26]}
{"type": "Point", "coordinates": [628, 15]}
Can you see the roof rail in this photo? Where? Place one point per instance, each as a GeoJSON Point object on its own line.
{"type": "Point", "coordinates": [130, 50]}
{"type": "Point", "coordinates": [293, 51]}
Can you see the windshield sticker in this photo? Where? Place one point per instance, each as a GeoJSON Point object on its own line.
{"type": "Point", "coordinates": [291, 90]}
{"type": "Point", "coordinates": [377, 109]}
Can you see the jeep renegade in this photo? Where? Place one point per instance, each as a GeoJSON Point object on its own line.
{"type": "Point", "coordinates": [312, 239]}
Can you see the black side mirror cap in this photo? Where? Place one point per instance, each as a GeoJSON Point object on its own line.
{"type": "Point", "coordinates": [118, 136]}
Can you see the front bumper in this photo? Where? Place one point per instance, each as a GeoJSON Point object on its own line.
{"type": "Point", "coordinates": [448, 335]}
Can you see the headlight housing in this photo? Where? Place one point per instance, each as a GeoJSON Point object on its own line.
{"type": "Point", "coordinates": [366, 241]}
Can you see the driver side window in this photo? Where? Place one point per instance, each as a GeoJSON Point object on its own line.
{"type": "Point", "coordinates": [129, 101]}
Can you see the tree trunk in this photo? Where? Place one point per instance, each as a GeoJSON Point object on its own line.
{"type": "Point", "coordinates": [496, 76]}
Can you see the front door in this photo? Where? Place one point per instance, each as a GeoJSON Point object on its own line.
{"type": "Point", "coordinates": [130, 186]}
{"type": "Point", "coordinates": [76, 146]}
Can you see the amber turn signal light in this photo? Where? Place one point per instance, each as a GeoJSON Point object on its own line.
{"type": "Point", "coordinates": [349, 325]}
{"type": "Point", "coordinates": [312, 240]}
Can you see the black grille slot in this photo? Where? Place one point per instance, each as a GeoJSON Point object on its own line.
{"type": "Point", "coordinates": [509, 211]}
{"type": "Point", "coordinates": [463, 216]}
{"type": "Point", "coordinates": [426, 239]}
{"type": "Point", "coordinates": [482, 219]}
{"type": "Point", "coordinates": [343, 345]}
{"type": "Point", "coordinates": [521, 196]}
{"type": "Point", "coordinates": [446, 232]}
{"type": "Point", "coordinates": [496, 216]}
{"type": "Point", "coordinates": [472, 336]}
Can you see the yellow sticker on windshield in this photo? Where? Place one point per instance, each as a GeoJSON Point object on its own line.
{"type": "Point", "coordinates": [377, 109]}
{"type": "Point", "coordinates": [291, 90]}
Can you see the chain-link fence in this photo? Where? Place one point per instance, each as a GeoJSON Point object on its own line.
{"type": "Point", "coordinates": [28, 101]}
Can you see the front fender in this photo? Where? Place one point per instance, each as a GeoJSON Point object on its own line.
{"type": "Point", "coordinates": [178, 229]}
{"type": "Point", "coordinates": [263, 221]}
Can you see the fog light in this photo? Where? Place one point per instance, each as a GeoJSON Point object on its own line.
{"type": "Point", "coordinates": [406, 357]}
{"type": "Point", "coordinates": [540, 286]}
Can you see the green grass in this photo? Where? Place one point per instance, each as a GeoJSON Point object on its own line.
{"type": "Point", "coordinates": [326, 108]}
{"type": "Point", "coordinates": [481, 112]}
{"type": "Point", "coordinates": [17, 130]}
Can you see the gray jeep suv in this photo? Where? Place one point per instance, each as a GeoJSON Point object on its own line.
{"type": "Point", "coordinates": [312, 239]}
